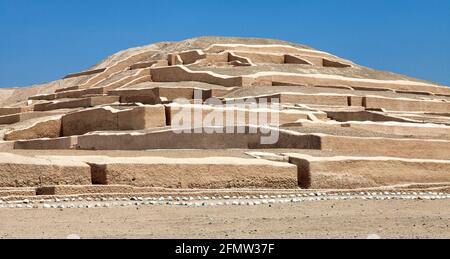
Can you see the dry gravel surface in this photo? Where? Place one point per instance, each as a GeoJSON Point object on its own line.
{"type": "Point", "coordinates": [326, 219]}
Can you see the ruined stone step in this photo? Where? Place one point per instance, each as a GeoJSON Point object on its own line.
{"type": "Point", "coordinates": [69, 93]}
{"type": "Point", "coordinates": [15, 192]}
{"type": "Point", "coordinates": [202, 173]}
{"type": "Point", "coordinates": [76, 103]}
{"type": "Point", "coordinates": [257, 57]}
{"type": "Point", "coordinates": [349, 116]}
{"type": "Point", "coordinates": [62, 190]}
{"type": "Point", "coordinates": [158, 139]}
{"type": "Point", "coordinates": [268, 49]}
{"type": "Point", "coordinates": [108, 118]}
{"type": "Point", "coordinates": [125, 78]}
{"type": "Point", "coordinates": [423, 117]}
{"type": "Point", "coordinates": [192, 115]}
{"type": "Point", "coordinates": [156, 63]}
{"type": "Point", "coordinates": [147, 117]}
{"type": "Point", "coordinates": [85, 73]}
{"type": "Point", "coordinates": [47, 128]}
{"type": "Point", "coordinates": [392, 147]}
{"type": "Point", "coordinates": [182, 73]}
{"type": "Point", "coordinates": [363, 172]}
{"type": "Point", "coordinates": [267, 78]}
{"type": "Point", "coordinates": [20, 117]}
{"type": "Point", "coordinates": [409, 129]}
{"type": "Point", "coordinates": [6, 146]}
{"type": "Point", "coordinates": [21, 171]}
{"type": "Point", "coordinates": [10, 111]}
{"type": "Point", "coordinates": [63, 143]}
{"type": "Point", "coordinates": [251, 139]}
{"type": "Point", "coordinates": [117, 67]}
{"type": "Point", "coordinates": [66, 89]}
{"type": "Point", "coordinates": [153, 94]}
{"type": "Point", "coordinates": [383, 129]}
{"type": "Point", "coordinates": [135, 77]}
{"type": "Point", "coordinates": [404, 104]}
{"type": "Point", "coordinates": [298, 98]}
{"type": "Point", "coordinates": [114, 192]}
{"type": "Point", "coordinates": [42, 97]}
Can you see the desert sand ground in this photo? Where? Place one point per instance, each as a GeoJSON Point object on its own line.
{"type": "Point", "coordinates": [327, 220]}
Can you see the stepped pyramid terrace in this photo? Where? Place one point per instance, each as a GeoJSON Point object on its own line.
{"type": "Point", "coordinates": [225, 117]}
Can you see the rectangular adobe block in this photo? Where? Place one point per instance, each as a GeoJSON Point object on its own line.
{"type": "Point", "coordinates": [50, 144]}
{"type": "Point", "coordinates": [77, 103]}
{"type": "Point", "coordinates": [393, 104]}
{"type": "Point", "coordinates": [144, 96]}
{"type": "Point", "coordinates": [11, 111]}
{"type": "Point", "coordinates": [200, 173]}
{"type": "Point", "coordinates": [20, 171]}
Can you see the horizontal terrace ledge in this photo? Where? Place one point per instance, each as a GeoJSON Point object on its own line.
{"type": "Point", "coordinates": [21, 171]}
{"type": "Point", "coordinates": [181, 73]}
{"type": "Point", "coordinates": [365, 172]}
{"type": "Point", "coordinates": [170, 139]}
{"type": "Point", "coordinates": [203, 173]}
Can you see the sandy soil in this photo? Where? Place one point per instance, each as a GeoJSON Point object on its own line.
{"type": "Point", "coordinates": [327, 219]}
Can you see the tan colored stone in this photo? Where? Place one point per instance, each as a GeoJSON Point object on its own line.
{"type": "Point", "coordinates": [409, 148]}
{"type": "Point", "coordinates": [291, 59]}
{"type": "Point", "coordinates": [110, 119]}
{"type": "Point", "coordinates": [45, 129]}
{"type": "Point", "coordinates": [191, 56]}
{"type": "Point", "coordinates": [181, 73]}
{"type": "Point", "coordinates": [46, 97]}
{"type": "Point", "coordinates": [145, 117]}
{"type": "Point", "coordinates": [232, 116]}
{"type": "Point", "coordinates": [10, 111]}
{"type": "Point", "coordinates": [47, 144]}
{"type": "Point", "coordinates": [86, 73]}
{"type": "Point", "coordinates": [170, 139]}
{"type": "Point", "coordinates": [15, 118]}
{"type": "Point", "coordinates": [78, 103]}
{"type": "Point", "coordinates": [345, 116]}
{"type": "Point", "coordinates": [6, 146]}
{"type": "Point", "coordinates": [405, 129]}
{"type": "Point", "coordinates": [392, 104]}
{"type": "Point", "coordinates": [202, 173]}
{"type": "Point", "coordinates": [97, 119]}
{"type": "Point", "coordinates": [157, 63]}
{"type": "Point", "coordinates": [266, 78]}
{"type": "Point", "coordinates": [364, 172]}
{"type": "Point", "coordinates": [334, 63]}
{"type": "Point", "coordinates": [145, 96]}
{"type": "Point", "coordinates": [20, 171]}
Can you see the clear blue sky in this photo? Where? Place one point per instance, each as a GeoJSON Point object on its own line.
{"type": "Point", "coordinates": [43, 40]}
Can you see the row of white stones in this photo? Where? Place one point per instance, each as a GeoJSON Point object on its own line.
{"type": "Point", "coordinates": [79, 202]}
